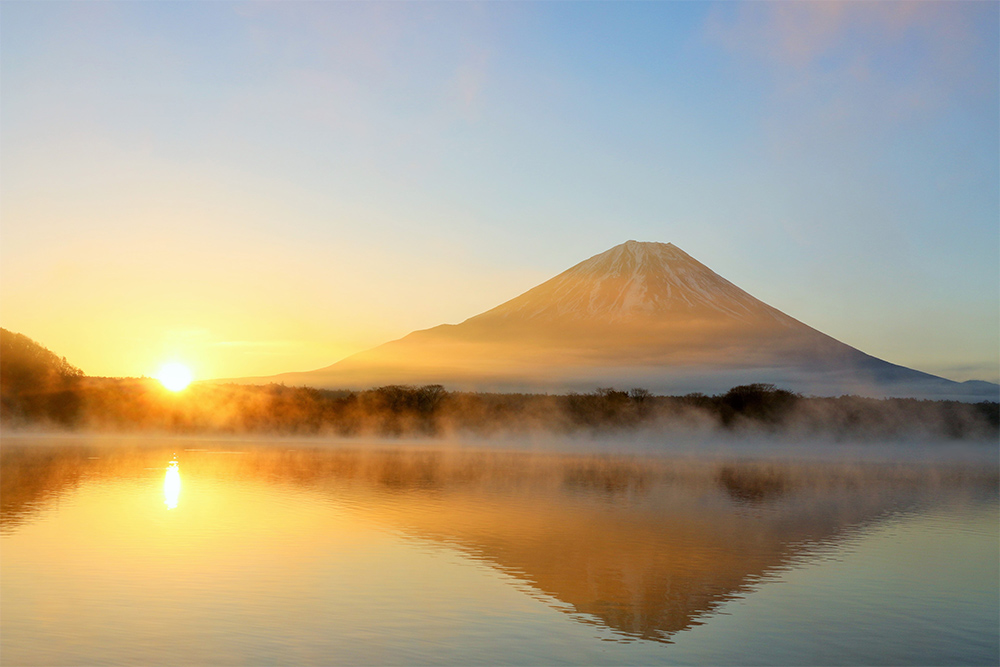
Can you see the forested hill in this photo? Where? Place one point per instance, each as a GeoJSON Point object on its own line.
{"type": "Point", "coordinates": [35, 383]}
{"type": "Point", "coordinates": [42, 390]}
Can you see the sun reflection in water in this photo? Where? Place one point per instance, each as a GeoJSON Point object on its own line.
{"type": "Point", "coordinates": [172, 485]}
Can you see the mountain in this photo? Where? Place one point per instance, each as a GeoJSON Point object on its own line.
{"type": "Point", "coordinates": [638, 315]}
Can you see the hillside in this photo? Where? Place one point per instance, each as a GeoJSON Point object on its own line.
{"type": "Point", "coordinates": [35, 383]}
{"type": "Point", "coordinates": [638, 315]}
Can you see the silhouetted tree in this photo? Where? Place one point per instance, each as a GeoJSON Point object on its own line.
{"type": "Point", "coordinates": [760, 402]}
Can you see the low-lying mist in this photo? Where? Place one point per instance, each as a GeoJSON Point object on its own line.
{"type": "Point", "coordinates": [746, 412]}
{"type": "Point", "coordinates": [35, 469]}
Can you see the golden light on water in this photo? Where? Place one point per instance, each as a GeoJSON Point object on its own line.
{"type": "Point", "coordinates": [175, 376]}
{"type": "Point", "coordinates": [172, 485]}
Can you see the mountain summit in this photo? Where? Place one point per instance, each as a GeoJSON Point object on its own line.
{"type": "Point", "coordinates": [635, 281]}
{"type": "Point", "coordinates": [638, 315]}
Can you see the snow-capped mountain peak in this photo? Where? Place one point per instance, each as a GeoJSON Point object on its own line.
{"type": "Point", "coordinates": [638, 315]}
{"type": "Point", "coordinates": [635, 280]}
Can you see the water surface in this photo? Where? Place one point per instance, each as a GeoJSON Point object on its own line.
{"type": "Point", "coordinates": [299, 553]}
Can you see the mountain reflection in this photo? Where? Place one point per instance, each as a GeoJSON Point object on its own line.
{"type": "Point", "coordinates": [642, 546]}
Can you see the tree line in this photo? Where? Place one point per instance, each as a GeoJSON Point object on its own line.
{"type": "Point", "coordinates": [40, 389]}
{"type": "Point", "coordinates": [111, 404]}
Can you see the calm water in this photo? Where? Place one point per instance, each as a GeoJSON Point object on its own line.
{"type": "Point", "coordinates": [292, 553]}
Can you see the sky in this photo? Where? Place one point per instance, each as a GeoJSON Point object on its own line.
{"type": "Point", "coordinates": [255, 188]}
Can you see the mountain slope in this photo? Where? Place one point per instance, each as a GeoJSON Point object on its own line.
{"type": "Point", "coordinates": [638, 315]}
{"type": "Point", "coordinates": [26, 366]}
{"type": "Point", "coordinates": [634, 281]}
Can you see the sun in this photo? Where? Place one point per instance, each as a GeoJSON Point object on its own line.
{"type": "Point", "coordinates": [175, 376]}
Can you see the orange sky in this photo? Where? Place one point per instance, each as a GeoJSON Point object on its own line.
{"type": "Point", "coordinates": [263, 188]}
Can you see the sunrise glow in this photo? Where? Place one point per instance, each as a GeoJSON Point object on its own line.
{"type": "Point", "coordinates": [172, 485]}
{"type": "Point", "coordinates": [175, 376]}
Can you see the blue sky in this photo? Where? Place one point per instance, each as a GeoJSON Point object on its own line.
{"type": "Point", "coordinates": [264, 187]}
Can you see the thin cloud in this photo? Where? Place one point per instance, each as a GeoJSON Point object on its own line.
{"type": "Point", "coordinates": [885, 59]}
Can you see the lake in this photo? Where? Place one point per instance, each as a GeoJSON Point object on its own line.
{"type": "Point", "coordinates": [199, 551]}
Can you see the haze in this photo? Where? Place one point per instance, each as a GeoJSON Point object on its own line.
{"type": "Point", "coordinates": [261, 188]}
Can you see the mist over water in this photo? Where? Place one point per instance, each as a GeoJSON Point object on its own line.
{"type": "Point", "coordinates": [298, 550]}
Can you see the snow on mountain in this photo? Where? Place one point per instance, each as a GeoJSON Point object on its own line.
{"type": "Point", "coordinates": [631, 281]}
{"type": "Point", "coordinates": [638, 315]}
